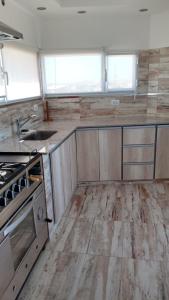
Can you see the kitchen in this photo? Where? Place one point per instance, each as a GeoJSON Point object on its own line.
{"type": "Point", "coordinates": [84, 137]}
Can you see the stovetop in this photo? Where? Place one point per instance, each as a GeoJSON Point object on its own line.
{"type": "Point", "coordinates": [14, 176]}
{"type": "Point", "coordinates": [8, 171]}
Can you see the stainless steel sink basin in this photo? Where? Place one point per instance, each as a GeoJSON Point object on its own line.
{"type": "Point", "coordinates": [39, 135]}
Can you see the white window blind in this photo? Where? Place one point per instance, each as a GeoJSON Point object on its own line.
{"type": "Point", "coordinates": [21, 66]}
{"type": "Point", "coordinates": [72, 73]}
{"type": "Point", "coordinates": [2, 80]}
{"type": "Point", "coordinates": [121, 72]}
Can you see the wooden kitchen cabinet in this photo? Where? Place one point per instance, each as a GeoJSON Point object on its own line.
{"type": "Point", "coordinates": [88, 154]}
{"type": "Point", "coordinates": [73, 161]}
{"type": "Point", "coordinates": [48, 191]}
{"type": "Point", "coordinates": [110, 150]}
{"type": "Point", "coordinates": [57, 184]}
{"type": "Point", "coordinates": [64, 175]}
{"type": "Point", "coordinates": [66, 169]}
{"type": "Point", "coordinates": [162, 154]}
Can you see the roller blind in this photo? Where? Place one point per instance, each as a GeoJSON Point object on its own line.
{"type": "Point", "coordinates": [72, 73]}
{"type": "Point", "coordinates": [21, 66]}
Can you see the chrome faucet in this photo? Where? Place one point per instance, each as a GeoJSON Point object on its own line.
{"type": "Point", "coordinates": [21, 122]}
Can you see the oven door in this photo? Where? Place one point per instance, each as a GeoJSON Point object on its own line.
{"type": "Point", "coordinates": [21, 232]}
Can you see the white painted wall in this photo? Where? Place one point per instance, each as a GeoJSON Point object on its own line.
{"type": "Point", "coordinates": [21, 20]}
{"type": "Point", "coordinates": [95, 31]}
{"type": "Point", "coordinates": [159, 30]}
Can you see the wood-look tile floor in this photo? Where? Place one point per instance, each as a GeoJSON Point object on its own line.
{"type": "Point", "coordinates": [111, 244]}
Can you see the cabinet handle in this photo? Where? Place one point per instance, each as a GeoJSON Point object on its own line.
{"type": "Point", "coordinates": [47, 220]}
{"type": "Point", "coordinates": [138, 146]}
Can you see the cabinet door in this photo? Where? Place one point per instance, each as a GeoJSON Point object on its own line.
{"type": "Point", "coordinates": [66, 168]}
{"type": "Point", "coordinates": [88, 154]}
{"type": "Point", "coordinates": [162, 156]}
{"type": "Point", "coordinates": [110, 149]}
{"type": "Point", "coordinates": [57, 184]}
{"type": "Point", "coordinates": [48, 191]}
{"type": "Point", "coordinates": [73, 161]}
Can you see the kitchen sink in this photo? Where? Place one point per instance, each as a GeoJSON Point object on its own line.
{"type": "Point", "coordinates": [39, 135]}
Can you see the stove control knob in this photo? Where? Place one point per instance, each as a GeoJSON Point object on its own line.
{"type": "Point", "coordinates": [2, 201]}
{"type": "Point", "coordinates": [16, 188]}
{"type": "Point", "coordinates": [9, 195]}
{"type": "Point", "coordinates": [22, 182]}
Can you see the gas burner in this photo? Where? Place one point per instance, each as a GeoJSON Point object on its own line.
{"type": "Point", "coordinates": [8, 171]}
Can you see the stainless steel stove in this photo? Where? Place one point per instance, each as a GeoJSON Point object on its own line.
{"type": "Point", "coordinates": [23, 219]}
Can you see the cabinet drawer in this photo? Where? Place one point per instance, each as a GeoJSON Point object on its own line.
{"type": "Point", "coordinates": [138, 172]}
{"type": "Point", "coordinates": [138, 154]}
{"type": "Point", "coordinates": [138, 135]}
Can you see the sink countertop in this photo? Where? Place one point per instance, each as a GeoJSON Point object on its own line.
{"type": "Point", "coordinates": [65, 128]}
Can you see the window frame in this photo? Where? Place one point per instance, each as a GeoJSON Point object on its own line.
{"type": "Point", "coordinates": [105, 91]}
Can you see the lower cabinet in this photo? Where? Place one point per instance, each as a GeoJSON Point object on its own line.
{"type": "Point", "coordinates": [57, 184]}
{"type": "Point", "coordinates": [66, 170]}
{"type": "Point", "coordinates": [110, 150]}
{"type": "Point", "coordinates": [48, 191]}
{"type": "Point", "coordinates": [162, 156]}
{"type": "Point", "coordinates": [64, 175]}
{"type": "Point", "coordinates": [88, 154]}
{"type": "Point", "coordinates": [73, 161]}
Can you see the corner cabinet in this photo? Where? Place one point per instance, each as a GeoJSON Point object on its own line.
{"type": "Point", "coordinates": [87, 154]}
{"type": "Point", "coordinates": [110, 151]}
{"type": "Point", "coordinates": [162, 155]}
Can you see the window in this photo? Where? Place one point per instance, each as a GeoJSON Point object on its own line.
{"type": "Point", "coordinates": [85, 73]}
{"type": "Point", "coordinates": [21, 68]}
{"type": "Point", "coordinates": [121, 72]}
{"type": "Point", "coordinates": [73, 73]}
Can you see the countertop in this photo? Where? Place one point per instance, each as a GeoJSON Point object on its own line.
{"type": "Point", "coordinates": [65, 128]}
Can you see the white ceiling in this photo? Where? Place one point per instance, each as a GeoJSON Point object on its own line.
{"type": "Point", "coordinates": [60, 7]}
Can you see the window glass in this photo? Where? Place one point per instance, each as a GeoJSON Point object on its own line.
{"type": "Point", "coordinates": [121, 72]}
{"type": "Point", "coordinates": [73, 73]}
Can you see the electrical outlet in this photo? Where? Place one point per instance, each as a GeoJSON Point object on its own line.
{"type": "Point", "coordinates": [115, 102]}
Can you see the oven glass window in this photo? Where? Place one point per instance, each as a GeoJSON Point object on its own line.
{"type": "Point", "coordinates": [22, 237]}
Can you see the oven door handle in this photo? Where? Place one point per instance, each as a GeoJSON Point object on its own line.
{"type": "Point", "coordinates": [19, 217]}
